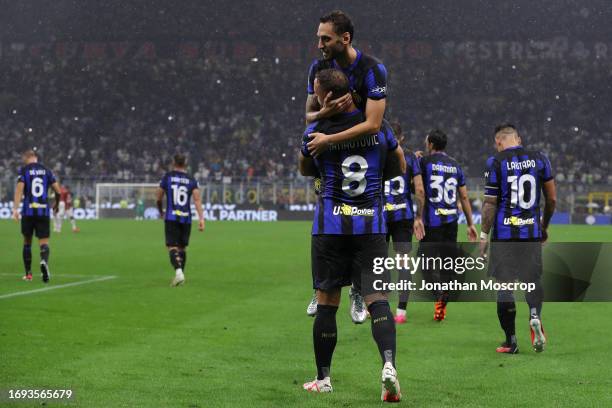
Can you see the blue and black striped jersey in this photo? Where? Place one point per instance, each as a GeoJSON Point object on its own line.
{"type": "Point", "coordinates": [442, 175]}
{"type": "Point", "coordinates": [351, 198]}
{"type": "Point", "coordinates": [367, 78]}
{"type": "Point", "coordinates": [37, 180]}
{"type": "Point", "coordinates": [178, 187]}
{"type": "Point", "coordinates": [515, 176]}
{"type": "Point", "coordinates": [398, 195]}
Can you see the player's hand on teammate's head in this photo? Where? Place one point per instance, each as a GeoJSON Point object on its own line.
{"type": "Point", "coordinates": [419, 229]}
{"type": "Point", "coordinates": [472, 233]}
{"type": "Point", "coordinates": [333, 107]}
{"type": "Point", "coordinates": [201, 225]}
{"type": "Point", "coordinates": [319, 142]}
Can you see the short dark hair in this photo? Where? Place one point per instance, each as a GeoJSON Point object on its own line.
{"type": "Point", "coordinates": [333, 80]}
{"type": "Point", "coordinates": [505, 126]}
{"type": "Point", "coordinates": [341, 21]}
{"type": "Point", "coordinates": [437, 138]}
{"type": "Point", "coordinates": [179, 160]}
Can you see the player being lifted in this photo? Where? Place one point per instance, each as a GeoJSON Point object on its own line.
{"type": "Point", "coordinates": [33, 185]}
{"type": "Point", "coordinates": [400, 216]}
{"type": "Point", "coordinates": [368, 84]}
{"type": "Point", "coordinates": [514, 180]}
{"type": "Point", "coordinates": [349, 231]}
{"type": "Point", "coordinates": [444, 185]}
{"type": "Point", "coordinates": [64, 209]}
{"type": "Point", "coordinates": [179, 187]}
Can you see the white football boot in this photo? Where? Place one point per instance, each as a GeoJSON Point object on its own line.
{"type": "Point", "coordinates": [179, 278]}
{"type": "Point", "coordinates": [359, 312]}
{"type": "Point", "coordinates": [390, 385]}
{"type": "Point", "coordinates": [311, 310]}
{"type": "Point", "coordinates": [315, 385]}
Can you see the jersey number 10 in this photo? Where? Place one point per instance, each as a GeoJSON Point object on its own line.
{"type": "Point", "coordinates": [517, 191]}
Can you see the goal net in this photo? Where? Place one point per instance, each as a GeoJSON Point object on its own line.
{"type": "Point", "coordinates": [126, 200]}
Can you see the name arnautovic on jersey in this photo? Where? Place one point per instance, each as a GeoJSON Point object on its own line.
{"type": "Point", "coordinates": [483, 285]}
{"type": "Point", "coordinates": [365, 141]}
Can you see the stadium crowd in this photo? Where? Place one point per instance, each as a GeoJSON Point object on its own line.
{"type": "Point", "coordinates": [123, 120]}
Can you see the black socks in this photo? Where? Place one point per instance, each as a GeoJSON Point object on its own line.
{"type": "Point", "coordinates": [44, 253]}
{"type": "Point", "coordinates": [506, 312]}
{"type": "Point", "coordinates": [324, 336]}
{"type": "Point", "coordinates": [27, 258]}
{"type": "Point", "coordinates": [175, 258]}
{"type": "Point", "coordinates": [183, 256]}
{"type": "Point", "coordinates": [383, 330]}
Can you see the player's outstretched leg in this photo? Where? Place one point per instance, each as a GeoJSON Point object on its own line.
{"type": "Point", "coordinates": [400, 314]}
{"type": "Point", "coordinates": [506, 312]}
{"type": "Point", "coordinates": [358, 308]}
{"type": "Point", "coordinates": [534, 300]}
{"type": "Point", "coordinates": [383, 331]}
{"type": "Point", "coordinates": [324, 337]}
{"type": "Point", "coordinates": [176, 261]}
{"type": "Point", "coordinates": [27, 261]}
{"type": "Point", "coordinates": [73, 224]}
{"type": "Point", "coordinates": [44, 262]}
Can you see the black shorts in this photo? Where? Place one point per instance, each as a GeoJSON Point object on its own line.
{"type": "Point", "coordinates": [439, 241]}
{"type": "Point", "coordinates": [401, 234]}
{"type": "Point", "coordinates": [177, 233]}
{"type": "Point", "coordinates": [342, 260]}
{"type": "Point", "coordinates": [32, 224]}
{"type": "Point", "coordinates": [510, 261]}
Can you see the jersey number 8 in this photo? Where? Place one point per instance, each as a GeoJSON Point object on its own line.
{"type": "Point", "coordinates": [354, 182]}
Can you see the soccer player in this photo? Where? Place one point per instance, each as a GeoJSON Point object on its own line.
{"type": "Point", "coordinates": [349, 231]}
{"type": "Point", "coordinates": [400, 216]}
{"type": "Point", "coordinates": [179, 187]}
{"type": "Point", "coordinates": [515, 178]}
{"type": "Point", "coordinates": [368, 84]}
{"type": "Point", "coordinates": [444, 185]}
{"type": "Point", "coordinates": [65, 209]}
{"type": "Point", "coordinates": [33, 185]}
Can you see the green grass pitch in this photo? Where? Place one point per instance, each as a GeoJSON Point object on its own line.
{"type": "Point", "coordinates": [237, 334]}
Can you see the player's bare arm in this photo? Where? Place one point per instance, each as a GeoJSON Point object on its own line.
{"type": "Point", "coordinates": [419, 198]}
{"type": "Point", "coordinates": [467, 210]}
{"type": "Point", "coordinates": [58, 190]}
{"type": "Point", "coordinates": [489, 208]}
{"type": "Point", "coordinates": [330, 107]}
{"type": "Point", "coordinates": [550, 196]}
{"type": "Point", "coordinates": [306, 166]}
{"type": "Point", "coordinates": [374, 113]}
{"type": "Point", "coordinates": [159, 196]}
{"type": "Point", "coordinates": [197, 200]}
{"type": "Point", "coordinates": [17, 199]}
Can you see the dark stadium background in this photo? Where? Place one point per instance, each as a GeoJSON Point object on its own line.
{"type": "Point", "coordinates": [108, 92]}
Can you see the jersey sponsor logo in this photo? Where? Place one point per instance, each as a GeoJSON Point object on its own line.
{"type": "Point", "coordinates": [446, 211]}
{"type": "Point", "coordinates": [38, 205]}
{"type": "Point", "coordinates": [378, 90]}
{"type": "Point", "coordinates": [517, 222]}
{"type": "Point", "coordinates": [525, 164]}
{"type": "Point", "coordinates": [180, 213]}
{"type": "Point", "coordinates": [351, 211]}
{"type": "Point", "coordinates": [443, 168]}
{"type": "Point", "coordinates": [393, 207]}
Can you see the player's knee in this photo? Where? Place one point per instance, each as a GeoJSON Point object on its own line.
{"type": "Point", "coordinates": [505, 296]}
{"type": "Point", "coordinates": [375, 297]}
{"type": "Point", "coordinates": [329, 298]}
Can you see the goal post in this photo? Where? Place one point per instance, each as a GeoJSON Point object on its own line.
{"type": "Point", "coordinates": [125, 200]}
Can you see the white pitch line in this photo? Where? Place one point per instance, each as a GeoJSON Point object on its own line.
{"type": "Point", "coordinates": [59, 275]}
{"type": "Point", "coordinates": [28, 292]}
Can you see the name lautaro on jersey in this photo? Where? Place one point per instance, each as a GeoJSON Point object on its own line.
{"type": "Point", "coordinates": [522, 165]}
